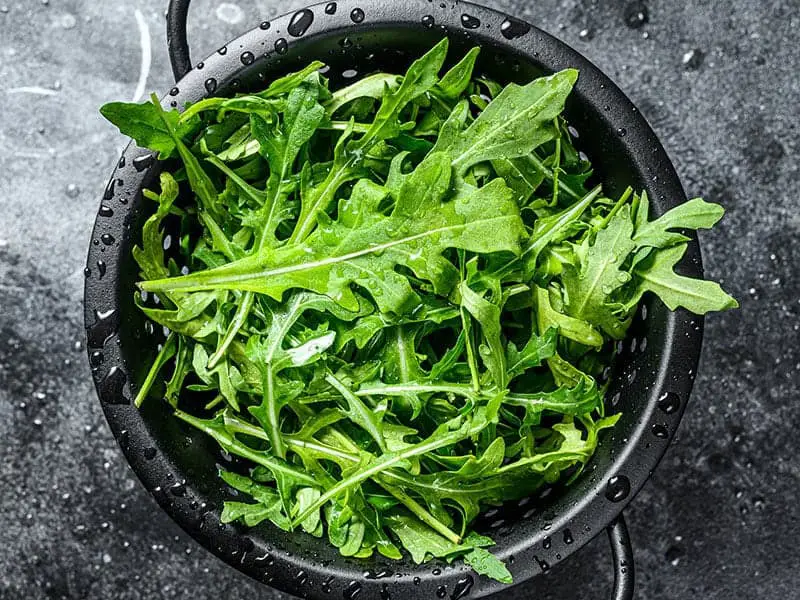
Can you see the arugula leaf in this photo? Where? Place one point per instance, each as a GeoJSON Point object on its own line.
{"type": "Point", "coordinates": [374, 86]}
{"type": "Point", "coordinates": [488, 315]}
{"type": "Point", "coordinates": [537, 349]}
{"type": "Point", "coordinates": [268, 504]}
{"type": "Point", "coordinates": [600, 274]}
{"type": "Point", "coordinates": [694, 214]}
{"type": "Point", "coordinates": [421, 76]}
{"type": "Point", "coordinates": [363, 246]}
{"type": "Point", "coordinates": [531, 107]}
{"type": "Point", "coordinates": [150, 256]}
{"type": "Point", "coordinates": [569, 327]}
{"type": "Point", "coordinates": [147, 124]}
{"type": "Point", "coordinates": [455, 81]}
{"type": "Point", "coordinates": [485, 563]}
{"type": "Point", "coordinates": [401, 364]}
{"type": "Point", "coordinates": [657, 275]}
{"type": "Point", "coordinates": [421, 543]}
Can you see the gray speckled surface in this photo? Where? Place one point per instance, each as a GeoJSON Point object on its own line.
{"type": "Point", "coordinates": [719, 518]}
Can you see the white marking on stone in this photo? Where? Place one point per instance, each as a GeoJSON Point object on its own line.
{"type": "Point", "coordinates": [230, 13]}
{"type": "Point", "coordinates": [32, 89]}
{"type": "Point", "coordinates": [144, 69]}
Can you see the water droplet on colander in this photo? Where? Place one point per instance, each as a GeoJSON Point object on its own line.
{"type": "Point", "coordinates": [352, 590]}
{"type": "Point", "coordinates": [264, 25]}
{"type": "Point", "coordinates": [428, 21]}
{"type": "Point", "coordinates": [200, 66]}
{"type": "Point", "coordinates": [622, 132]}
{"type": "Point", "coordinates": [109, 193]}
{"type": "Point", "coordinates": [110, 387]}
{"type": "Point", "coordinates": [301, 21]}
{"type": "Point", "coordinates": [107, 239]}
{"type": "Point", "coordinates": [385, 595]}
{"type": "Point", "coordinates": [547, 542]}
{"type": "Point", "coordinates": [301, 577]}
{"type": "Point", "coordinates": [96, 358]}
{"type": "Point", "coordinates": [345, 42]}
{"type": "Point", "coordinates": [618, 488]}
{"type": "Point", "coordinates": [247, 58]}
{"type": "Point", "coordinates": [660, 431]}
{"type": "Point", "coordinates": [669, 403]}
{"type": "Point", "coordinates": [101, 268]}
{"type": "Point", "coordinates": [636, 14]}
{"type": "Point", "coordinates": [511, 28]}
{"type": "Point", "coordinates": [87, 272]}
{"type": "Point", "coordinates": [174, 91]}
{"type": "Point", "coordinates": [356, 15]}
{"type": "Point", "coordinates": [105, 211]}
{"type": "Point", "coordinates": [140, 163]}
{"type": "Point", "coordinates": [178, 489]}
{"type": "Point", "coordinates": [222, 51]}
{"type": "Point", "coordinates": [462, 588]}
{"type": "Point", "coordinates": [104, 326]}
{"type": "Point", "coordinates": [441, 591]}
{"type": "Point", "coordinates": [379, 574]}
{"type": "Point", "coordinates": [568, 539]}
{"type": "Point", "coordinates": [211, 85]}
{"type": "Point", "coordinates": [416, 580]}
{"type": "Point", "coordinates": [330, 8]}
{"type": "Point", "coordinates": [470, 22]}
{"type": "Point", "coordinates": [543, 564]}
{"type": "Point", "coordinates": [281, 46]}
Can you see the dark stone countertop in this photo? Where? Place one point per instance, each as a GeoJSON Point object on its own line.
{"type": "Point", "coordinates": [718, 81]}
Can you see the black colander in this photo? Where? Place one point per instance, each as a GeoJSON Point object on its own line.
{"type": "Point", "coordinates": [653, 374]}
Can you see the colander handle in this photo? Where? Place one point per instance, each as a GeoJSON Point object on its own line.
{"type": "Point", "coordinates": [622, 555]}
{"type": "Point", "coordinates": [177, 44]}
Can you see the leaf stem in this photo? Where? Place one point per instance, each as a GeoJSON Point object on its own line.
{"type": "Point", "coordinates": [234, 446]}
{"type": "Point", "coordinates": [619, 204]}
{"type": "Point", "coordinates": [235, 325]}
{"type": "Point", "coordinates": [167, 351]}
{"type": "Point", "coordinates": [389, 460]}
{"type": "Point", "coordinates": [421, 513]}
{"type": "Point", "coordinates": [415, 507]}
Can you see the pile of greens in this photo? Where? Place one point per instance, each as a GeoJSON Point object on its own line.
{"type": "Point", "coordinates": [395, 301]}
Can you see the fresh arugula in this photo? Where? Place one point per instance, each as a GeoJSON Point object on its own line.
{"type": "Point", "coordinates": [392, 300]}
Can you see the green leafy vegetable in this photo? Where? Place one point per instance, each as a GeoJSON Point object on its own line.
{"type": "Point", "coordinates": [393, 301]}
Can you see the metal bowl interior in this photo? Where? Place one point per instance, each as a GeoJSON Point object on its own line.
{"type": "Point", "coordinates": [651, 381]}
